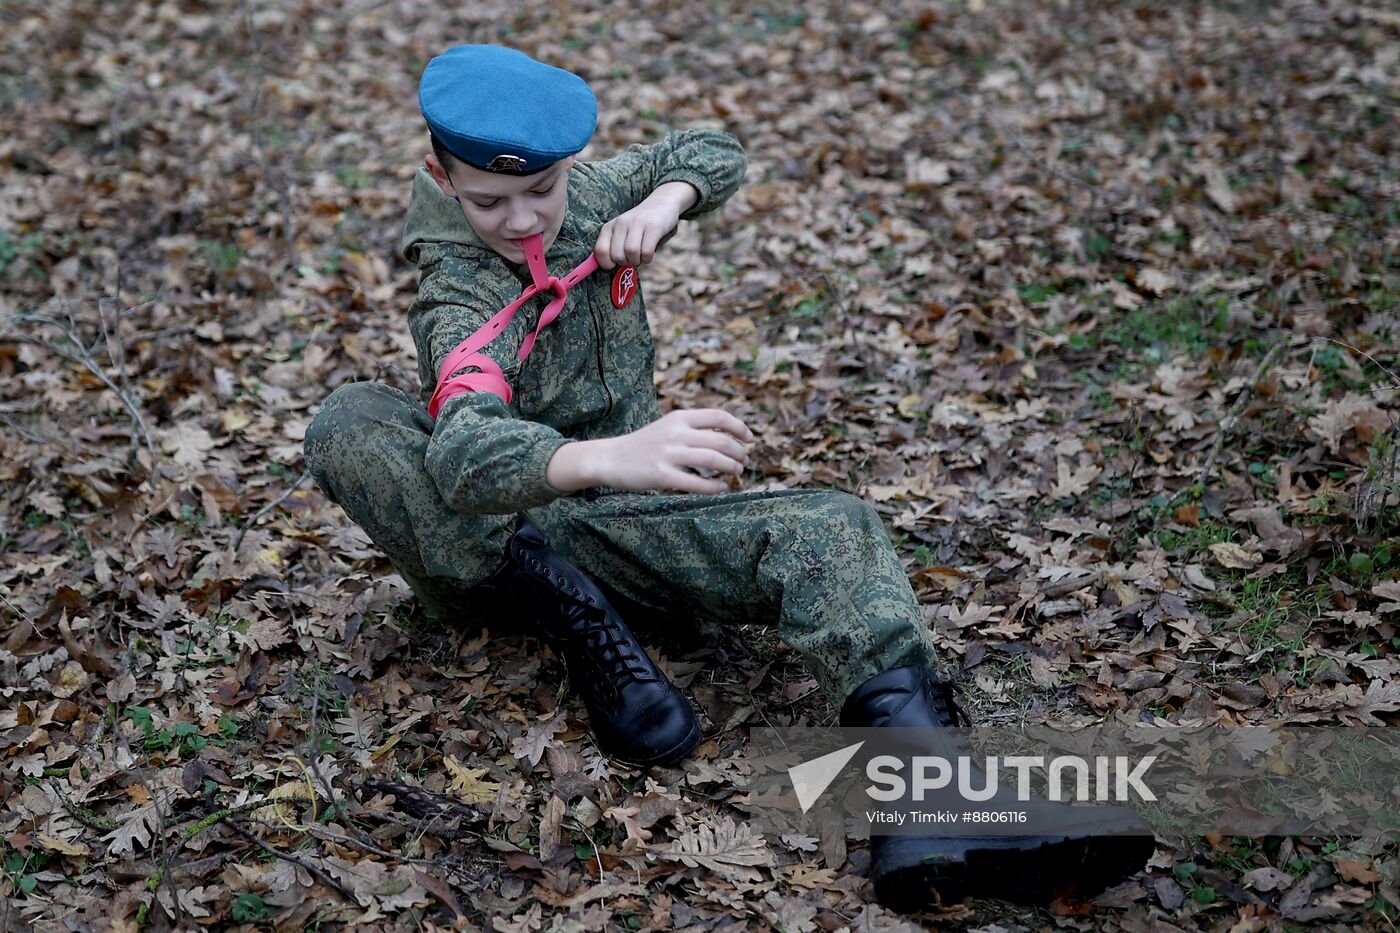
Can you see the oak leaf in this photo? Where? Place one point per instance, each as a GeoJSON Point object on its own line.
{"type": "Point", "coordinates": [1342, 415]}
{"type": "Point", "coordinates": [728, 848]}
{"type": "Point", "coordinates": [537, 739]}
{"type": "Point", "coordinates": [551, 831]}
{"type": "Point", "coordinates": [810, 876]}
{"type": "Point", "coordinates": [1356, 872]}
{"type": "Point", "coordinates": [1155, 280]}
{"type": "Point", "coordinates": [64, 846]}
{"type": "Point", "coordinates": [135, 832]}
{"type": "Point", "coordinates": [970, 614]}
{"type": "Point", "coordinates": [1389, 589]}
{"type": "Point", "coordinates": [1380, 698]}
{"type": "Point", "coordinates": [626, 816]}
{"type": "Point", "coordinates": [1231, 555]}
{"type": "Point", "coordinates": [187, 444]}
{"type": "Point", "coordinates": [468, 784]}
{"type": "Point", "coordinates": [360, 727]}
{"type": "Point", "coordinates": [1074, 482]}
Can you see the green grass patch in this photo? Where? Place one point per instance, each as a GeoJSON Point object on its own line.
{"type": "Point", "coordinates": [13, 247]}
{"type": "Point", "coordinates": [21, 869]}
{"type": "Point", "coordinates": [1275, 617]}
{"type": "Point", "coordinates": [222, 257]}
{"type": "Point", "coordinates": [352, 177]}
{"type": "Point", "coordinates": [180, 738]}
{"type": "Point", "coordinates": [1180, 325]}
{"type": "Point", "coordinates": [1037, 292]}
{"type": "Point", "coordinates": [1191, 544]}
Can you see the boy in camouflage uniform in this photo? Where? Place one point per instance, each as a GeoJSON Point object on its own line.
{"type": "Point", "coordinates": [545, 467]}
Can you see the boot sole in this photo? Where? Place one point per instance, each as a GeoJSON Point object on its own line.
{"type": "Point", "coordinates": [1017, 869]}
{"type": "Point", "coordinates": [673, 755]}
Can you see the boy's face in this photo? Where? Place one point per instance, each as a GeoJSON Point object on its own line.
{"type": "Point", "coordinates": [504, 209]}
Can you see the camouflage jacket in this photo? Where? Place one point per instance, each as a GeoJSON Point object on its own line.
{"type": "Point", "coordinates": [591, 373]}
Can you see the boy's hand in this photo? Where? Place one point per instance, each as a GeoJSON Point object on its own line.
{"type": "Point", "coordinates": [632, 237]}
{"type": "Point", "coordinates": [664, 454]}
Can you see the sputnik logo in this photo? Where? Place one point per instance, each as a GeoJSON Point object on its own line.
{"type": "Point", "coordinates": [811, 778]}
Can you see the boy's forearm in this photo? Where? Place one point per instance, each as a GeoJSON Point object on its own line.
{"type": "Point", "coordinates": [711, 160]}
{"type": "Point", "coordinates": [571, 467]}
{"type": "Point", "coordinates": [681, 196]}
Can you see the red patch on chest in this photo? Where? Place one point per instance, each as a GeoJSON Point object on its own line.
{"type": "Point", "coordinates": [624, 286]}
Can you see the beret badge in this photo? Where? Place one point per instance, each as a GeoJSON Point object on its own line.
{"type": "Point", "coordinates": [506, 163]}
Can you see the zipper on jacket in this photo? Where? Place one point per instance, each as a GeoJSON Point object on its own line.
{"type": "Point", "coordinates": [598, 336]}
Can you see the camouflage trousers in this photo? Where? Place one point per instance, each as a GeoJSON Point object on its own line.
{"type": "Point", "coordinates": [818, 564]}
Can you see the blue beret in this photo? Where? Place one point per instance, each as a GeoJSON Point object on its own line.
{"type": "Point", "coordinates": [499, 110]}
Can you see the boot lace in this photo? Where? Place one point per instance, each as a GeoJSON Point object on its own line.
{"type": "Point", "coordinates": [604, 645]}
{"type": "Point", "coordinates": [608, 646]}
{"type": "Point", "coordinates": [944, 693]}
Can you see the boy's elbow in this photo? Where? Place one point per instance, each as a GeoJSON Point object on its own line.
{"type": "Point", "coordinates": [733, 147]}
{"type": "Point", "coordinates": [453, 477]}
{"type": "Point", "coordinates": [735, 156]}
{"type": "Point", "coordinates": [491, 468]}
{"type": "Point", "coordinates": [470, 491]}
{"type": "Point", "coordinates": [716, 140]}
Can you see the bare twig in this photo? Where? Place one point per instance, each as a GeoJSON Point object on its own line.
{"type": "Point", "coordinates": [274, 178]}
{"type": "Point", "coordinates": [163, 855]}
{"type": "Point", "coordinates": [425, 805]}
{"type": "Point", "coordinates": [55, 440]}
{"type": "Point", "coordinates": [1384, 477]}
{"type": "Point", "coordinates": [116, 345]}
{"type": "Point", "coordinates": [1087, 217]}
{"type": "Point", "coordinates": [278, 183]}
{"type": "Point", "coordinates": [15, 609]}
{"type": "Point", "coordinates": [242, 532]}
{"type": "Point", "coordinates": [320, 832]}
{"type": "Point", "coordinates": [1228, 422]}
{"type": "Point", "coordinates": [597, 853]}
{"type": "Point", "coordinates": [313, 750]}
{"type": "Point", "coordinates": [114, 129]}
{"type": "Point", "coordinates": [1379, 365]}
{"type": "Point", "coordinates": [82, 354]}
{"type": "Point", "coordinates": [83, 814]}
{"type": "Point", "coordinates": [1266, 71]}
{"type": "Point", "coordinates": [167, 857]}
{"type": "Point", "coordinates": [315, 871]}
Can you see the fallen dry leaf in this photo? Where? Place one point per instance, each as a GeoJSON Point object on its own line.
{"type": "Point", "coordinates": [469, 783]}
{"type": "Point", "coordinates": [1231, 555]}
{"type": "Point", "coordinates": [64, 846]}
{"type": "Point", "coordinates": [1356, 872]}
{"type": "Point", "coordinates": [727, 847]}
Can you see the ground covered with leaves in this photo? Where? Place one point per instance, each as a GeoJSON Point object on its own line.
{"type": "Point", "coordinates": [1095, 302]}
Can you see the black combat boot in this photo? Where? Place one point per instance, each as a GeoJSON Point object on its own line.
{"type": "Point", "coordinates": [638, 716]}
{"type": "Point", "coordinates": [1080, 849]}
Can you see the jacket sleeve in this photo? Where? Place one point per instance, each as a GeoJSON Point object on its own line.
{"type": "Point", "coordinates": [711, 160]}
{"type": "Point", "coordinates": [481, 457]}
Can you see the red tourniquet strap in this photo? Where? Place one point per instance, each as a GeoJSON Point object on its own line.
{"type": "Point", "coordinates": [468, 352]}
